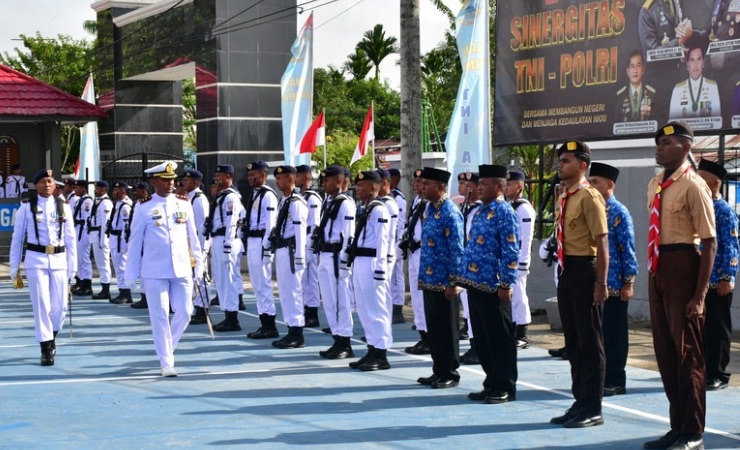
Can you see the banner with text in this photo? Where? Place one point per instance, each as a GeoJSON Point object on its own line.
{"type": "Point", "coordinates": [568, 69]}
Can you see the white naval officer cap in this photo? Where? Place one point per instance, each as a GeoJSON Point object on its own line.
{"type": "Point", "coordinates": [165, 170]}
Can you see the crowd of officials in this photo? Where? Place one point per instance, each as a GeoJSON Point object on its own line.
{"type": "Point", "coordinates": [348, 253]}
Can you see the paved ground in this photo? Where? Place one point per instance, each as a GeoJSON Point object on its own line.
{"type": "Point", "coordinates": [105, 392]}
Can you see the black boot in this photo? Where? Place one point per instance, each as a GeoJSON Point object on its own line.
{"type": "Point", "coordinates": [421, 347]}
{"type": "Point", "coordinates": [378, 361]}
{"type": "Point", "coordinates": [311, 313]}
{"type": "Point", "coordinates": [77, 283]}
{"type": "Point", "coordinates": [54, 344]}
{"type": "Point", "coordinates": [199, 317]}
{"type": "Point", "coordinates": [241, 303]}
{"type": "Point", "coordinates": [471, 356]}
{"type": "Point", "coordinates": [294, 339]}
{"type": "Point", "coordinates": [104, 293]}
{"type": "Point", "coordinates": [522, 341]}
{"type": "Point", "coordinates": [364, 359]}
{"type": "Point", "coordinates": [464, 331]}
{"type": "Point", "coordinates": [343, 349]}
{"type": "Point", "coordinates": [215, 301]}
{"type": "Point", "coordinates": [123, 297]}
{"type": "Point", "coordinates": [325, 353]}
{"type": "Point", "coordinates": [230, 322]}
{"type": "Point", "coordinates": [141, 304]}
{"type": "Point", "coordinates": [267, 330]}
{"type": "Point", "coordinates": [47, 353]}
{"type": "Point", "coordinates": [398, 314]}
{"type": "Point", "coordinates": [85, 288]}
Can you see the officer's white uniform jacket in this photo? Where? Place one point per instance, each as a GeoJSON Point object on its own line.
{"type": "Point", "coordinates": [119, 220]}
{"type": "Point", "coordinates": [708, 99]}
{"type": "Point", "coordinates": [162, 235]}
{"type": "Point", "coordinates": [201, 210]}
{"type": "Point", "coordinates": [226, 215]}
{"type": "Point", "coordinates": [264, 212]}
{"type": "Point", "coordinates": [45, 217]}
{"type": "Point", "coordinates": [100, 218]}
{"type": "Point", "coordinates": [15, 185]}
{"type": "Point", "coordinates": [526, 215]}
{"type": "Point", "coordinates": [295, 225]}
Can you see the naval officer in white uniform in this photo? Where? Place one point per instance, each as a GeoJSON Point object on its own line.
{"type": "Point", "coordinates": [164, 251]}
{"type": "Point", "coordinates": [46, 223]}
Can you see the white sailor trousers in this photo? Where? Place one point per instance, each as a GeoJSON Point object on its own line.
{"type": "Point", "coordinates": [48, 291]}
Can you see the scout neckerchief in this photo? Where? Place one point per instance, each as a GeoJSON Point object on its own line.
{"type": "Point", "coordinates": [561, 221]}
{"type": "Point", "coordinates": [654, 232]}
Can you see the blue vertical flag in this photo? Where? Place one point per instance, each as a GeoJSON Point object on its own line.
{"type": "Point", "coordinates": [468, 140]}
{"type": "Point", "coordinates": [296, 90]}
{"type": "Point", "coordinates": [88, 163]}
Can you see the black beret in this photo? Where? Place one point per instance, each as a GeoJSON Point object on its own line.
{"type": "Point", "coordinates": [516, 175]}
{"type": "Point", "coordinates": [101, 183]}
{"type": "Point", "coordinates": [369, 175]}
{"type": "Point", "coordinates": [577, 148]}
{"type": "Point", "coordinates": [121, 184]}
{"type": "Point", "coordinates": [461, 176]}
{"type": "Point", "coordinates": [395, 173]}
{"type": "Point", "coordinates": [225, 168]}
{"type": "Point", "coordinates": [493, 171]}
{"type": "Point", "coordinates": [430, 173]}
{"type": "Point", "coordinates": [332, 171]}
{"type": "Point", "coordinates": [193, 173]}
{"type": "Point", "coordinates": [257, 165]}
{"type": "Point", "coordinates": [81, 183]}
{"type": "Point", "coordinates": [470, 176]}
{"type": "Point", "coordinates": [15, 167]}
{"type": "Point", "coordinates": [41, 174]}
{"type": "Point", "coordinates": [281, 170]}
{"type": "Point", "coordinates": [179, 182]}
{"type": "Point", "coordinates": [384, 174]}
{"type": "Point", "coordinates": [303, 169]}
{"type": "Point", "coordinates": [142, 185]}
{"type": "Point", "coordinates": [347, 172]}
{"type": "Point", "coordinates": [679, 129]}
{"type": "Point", "coordinates": [713, 168]}
{"type": "Point", "coordinates": [417, 173]}
{"type": "Point", "coordinates": [604, 170]}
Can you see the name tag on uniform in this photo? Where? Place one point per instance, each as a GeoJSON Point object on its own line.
{"type": "Point", "coordinates": [270, 208]}
{"type": "Point", "coordinates": [156, 217]}
{"type": "Point", "coordinates": [526, 220]}
{"type": "Point", "coordinates": [381, 220]}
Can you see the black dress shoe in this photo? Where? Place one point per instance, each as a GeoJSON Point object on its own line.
{"type": "Point", "coordinates": [569, 414]}
{"type": "Point", "coordinates": [326, 330]}
{"type": "Point", "coordinates": [664, 441]}
{"type": "Point", "coordinates": [557, 353]}
{"type": "Point", "coordinates": [262, 333]}
{"type": "Point", "coordinates": [614, 390]}
{"type": "Point", "coordinates": [444, 384]}
{"type": "Point", "coordinates": [584, 421]}
{"type": "Point", "coordinates": [427, 381]}
{"type": "Point", "coordinates": [480, 395]}
{"type": "Point", "coordinates": [496, 397]}
{"type": "Point", "coordinates": [377, 361]}
{"type": "Point", "coordinates": [420, 348]}
{"type": "Point", "coordinates": [688, 442]}
{"type": "Point", "coordinates": [341, 353]}
{"type": "Point", "coordinates": [715, 384]}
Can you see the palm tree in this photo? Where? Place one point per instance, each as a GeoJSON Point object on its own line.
{"type": "Point", "coordinates": [377, 46]}
{"type": "Point", "coordinates": [358, 64]}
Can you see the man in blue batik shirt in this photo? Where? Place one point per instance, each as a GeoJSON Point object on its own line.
{"type": "Point", "coordinates": [441, 250]}
{"type": "Point", "coordinates": [620, 278]}
{"type": "Point", "coordinates": [718, 320]}
{"type": "Point", "coordinates": [487, 271]}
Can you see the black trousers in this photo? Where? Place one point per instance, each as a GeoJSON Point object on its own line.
{"type": "Point", "coordinates": [717, 334]}
{"type": "Point", "coordinates": [616, 341]}
{"type": "Point", "coordinates": [582, 326]}
{"type": "Point", "coordinates": [495, 343]}
{"type": "Point", "coordinates": [443, 333]}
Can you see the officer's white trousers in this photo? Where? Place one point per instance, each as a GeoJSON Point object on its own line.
{"type": "Point", "coordinates": [372, 303]}
{"type": "Point", "coordinates": [161, 294]}
{"type": "Point", "coordinates": [48, 291]}
{"type": "Point", "coordinates": [337, 297]}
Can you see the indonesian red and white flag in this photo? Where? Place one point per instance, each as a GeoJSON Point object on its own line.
{"type": "Point", "coordinates": [314, 137]}
{"type": "Point", "coordinates": [366, 137]}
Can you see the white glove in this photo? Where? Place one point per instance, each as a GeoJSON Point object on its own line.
{"type": "Point", "coordinates": [378, 283]}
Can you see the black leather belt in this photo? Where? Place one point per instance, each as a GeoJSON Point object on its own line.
{"type": "Point", "coordinates": [48, 249]}
{"type": "Point", "coordinates": [364, 251]}
{"type": "Point", "coordinates": [677, 248]}
{"type": "Point", "coordinates": [93, 229]}
{"type": "Point", "coordinates": [282, 243]}
{"type": "Point", "coordinates": [79, 222]}
{"type": "Point", "coordinates": [116, 232]}
{"type": "Point", "coordinates": [330, 248]}
{"type": "Point", "coordinates": [256, 233]}
{"type": "Point", "coordinates": [220, 232]}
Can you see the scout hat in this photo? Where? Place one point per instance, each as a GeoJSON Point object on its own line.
{"type": "Point", "coordinates": [679, 129]}
{"type": "Point", "coordinates": [605, 171]}
{"type": "Point", "coordinates": [165, 170]}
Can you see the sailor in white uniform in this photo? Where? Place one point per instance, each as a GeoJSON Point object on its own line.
{"type": "Point", "coordinates": [398, 281]}
{"type": "Point", "coordinates": [15, 183]}
{"type": "Point", "coordinates": [310, 280]}
{"type": "Point", "coordinates": [45, 223]}
{"type": "Point", "coordinates": [201, 212]}
{"type": "Point", "coordinates": [101, 210]}
{"type": "Point", "coordinates": [164, 251]}
{"type": "Point", "coordinates": [119, 223]}
{"type": "Point", "coordinates": [411, 244]}
{"type": "Point", "coordinates": [81, 210]}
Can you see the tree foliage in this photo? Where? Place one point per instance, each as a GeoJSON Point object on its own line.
{"type": "Point", "coordinates": [340, 146]}
{"type": "Point", "coordinates": [377, 46]}
{"type": "Point", "coordinates": [358, 64]}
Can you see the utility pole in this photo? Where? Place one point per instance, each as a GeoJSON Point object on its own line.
{"type": "Point", "coordinates": [410, 95]}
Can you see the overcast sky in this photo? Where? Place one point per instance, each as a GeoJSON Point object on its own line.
{"type": "Point", "coordinates": [346, 21]}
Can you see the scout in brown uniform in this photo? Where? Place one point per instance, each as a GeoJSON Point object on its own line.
{"type": "Point", "coordinates": [678, 283]}
{"type": "Point", "coordinates": [583, 257]}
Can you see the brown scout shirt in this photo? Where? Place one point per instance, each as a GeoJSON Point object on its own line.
{"type": "Point", "coordinates": [585, 218]}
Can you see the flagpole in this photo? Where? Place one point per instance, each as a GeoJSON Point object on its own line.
{"type": "Point", "coordinates": [372, 108]}
{"type": "Point", "coordinates": [323, 111]}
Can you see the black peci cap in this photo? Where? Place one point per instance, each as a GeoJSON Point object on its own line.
{"type": "Point", "coordinates": [493, 171]}
{"type": "Point", "coordinates": [604, 170]}
{"type": "Point", "coordinates": [430, 173]}
{"type": "Point", "coordinates": [714, 168]}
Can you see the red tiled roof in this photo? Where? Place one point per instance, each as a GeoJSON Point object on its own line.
{"type": "Point", "coordinates": [22, 95]}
